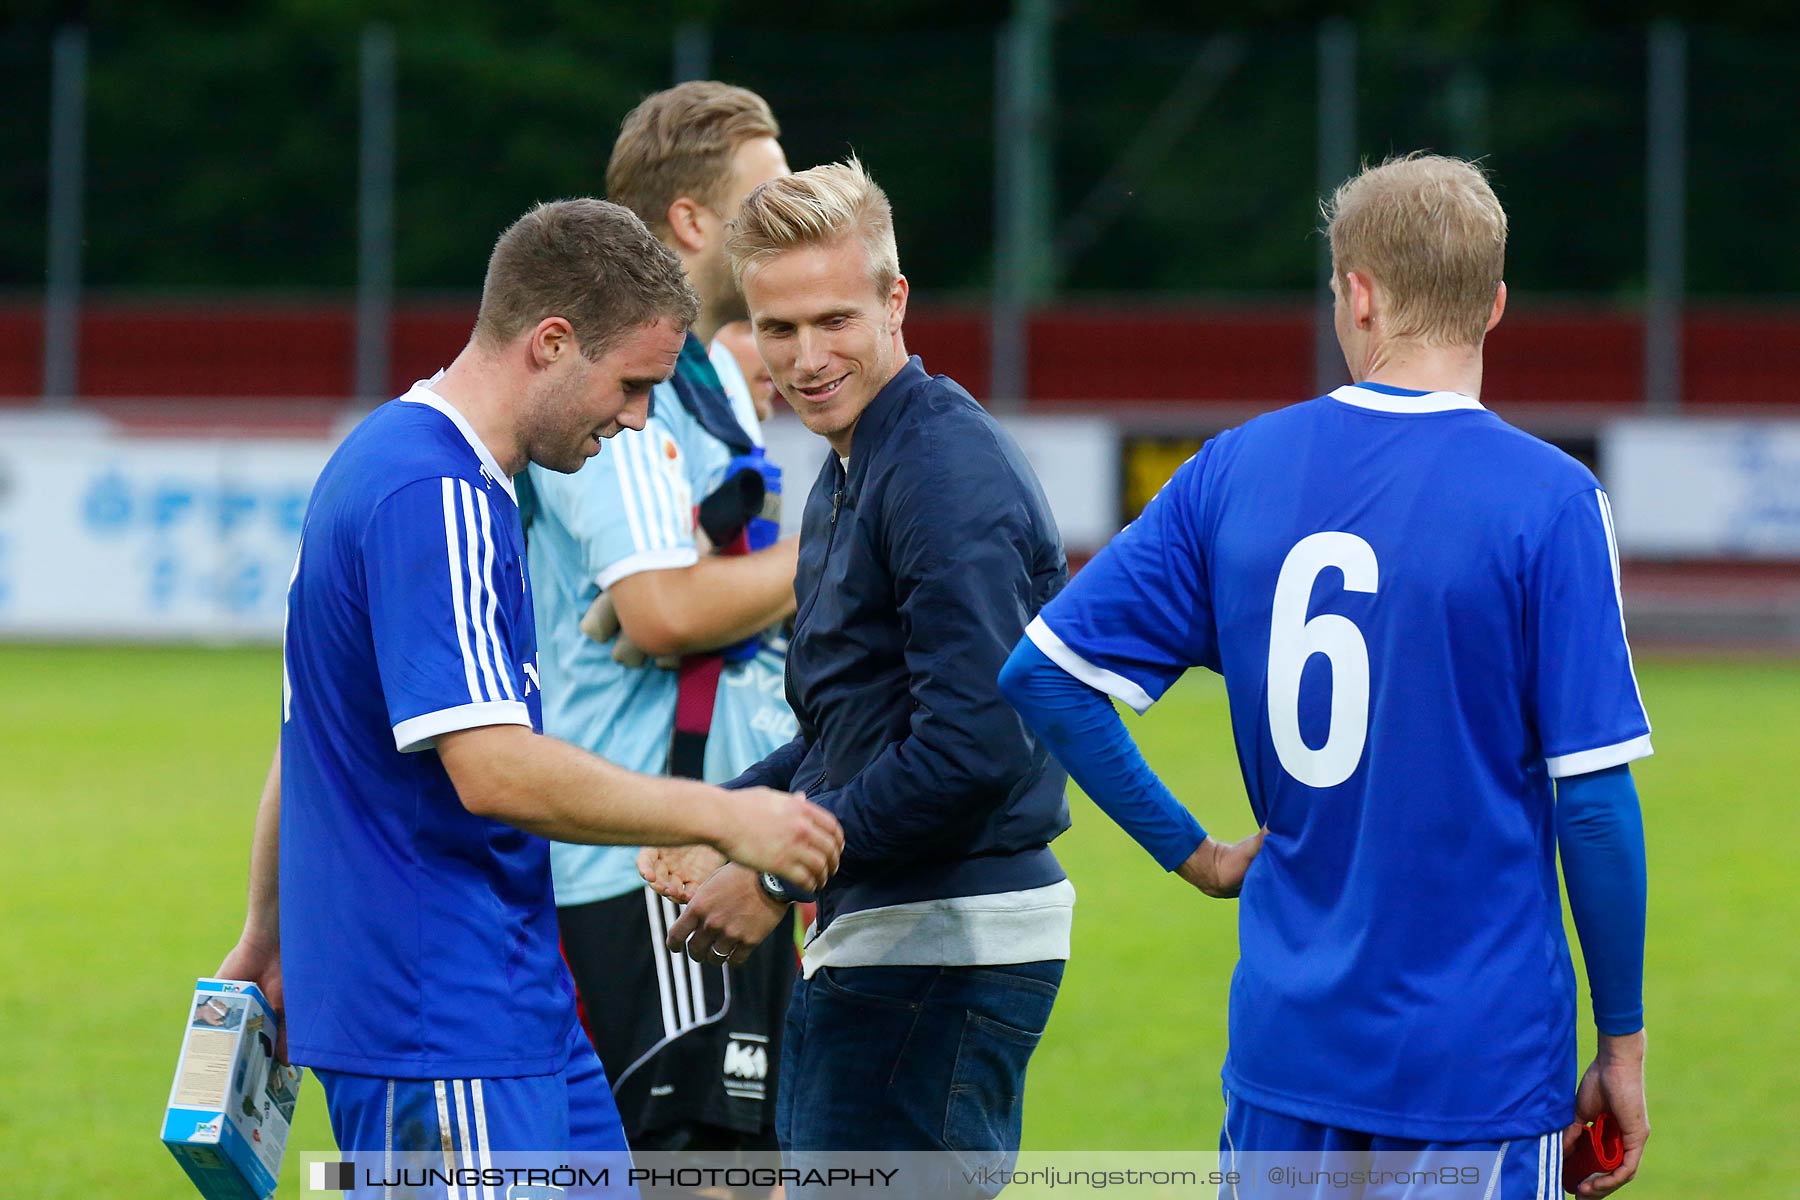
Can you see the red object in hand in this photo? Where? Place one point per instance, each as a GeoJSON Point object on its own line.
{"type": "Point", "coordinates": [1599, 1151]}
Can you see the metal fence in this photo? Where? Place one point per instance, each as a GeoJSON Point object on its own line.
{"type": "Point", "coordinates": [1032, 164]}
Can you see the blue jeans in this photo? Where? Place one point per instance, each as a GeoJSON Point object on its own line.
{"type": "Point", "coordinates": [912, 1058]}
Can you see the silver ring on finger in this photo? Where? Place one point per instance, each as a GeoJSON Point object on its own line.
{"type": "Point", "coordinates": [719, 954]}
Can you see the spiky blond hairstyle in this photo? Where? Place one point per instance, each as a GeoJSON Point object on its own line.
{"type": "Point", "coordinates": [813, 208]}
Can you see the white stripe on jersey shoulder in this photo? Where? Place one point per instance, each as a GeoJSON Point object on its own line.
{"type": "Point", "coordinates": [287, 678]}
{"type": "Point", "coordinates": [653, 489]}
{"type": "Point", "coordinates": [479, 591]}
{"type": "Point", "coordinates": [459, 612]}
{"type": "Point", "coordinates": [1110, 682]}
{"type": "Point", "coordinates": [670, 507]}
{"type": "Point", "coordinates": [624, 467]}
{"type": "Point", "coordinates": [418, 733]}
{"type": "Point", "coordinates": [1430, 402]}
{"type": "Point", "coordinates": [493, 598]}
{"type": "Point", "coordinates": [1612, 551]}
{"type": "Point", "coordinates": [421, 393]}
{"type": "Point", "coordinates": [636, 469]}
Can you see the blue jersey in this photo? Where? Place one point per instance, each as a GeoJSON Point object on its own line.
{"type": "Point", "coordinates": [418, 940]}
{"type": "Point", "coordinates": [1416, 610]}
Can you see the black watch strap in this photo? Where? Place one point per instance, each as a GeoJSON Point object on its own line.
{"type": "Point", "coordinates": [780, 889]}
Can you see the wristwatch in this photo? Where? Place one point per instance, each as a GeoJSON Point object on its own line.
{"type": "Point", "coordinates": [777, 888]}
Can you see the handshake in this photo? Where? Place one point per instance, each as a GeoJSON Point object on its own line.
{"type": "Point", "coordinates": [728, 910]}
{"type": "Point", "coordinates": [770, 830]}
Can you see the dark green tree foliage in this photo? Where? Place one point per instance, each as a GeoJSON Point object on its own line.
{"type": "Point", "coordinates": [222, 139]}
{"type": "Point", "coordinates": [24, 150]}
{"type": "Point", "coordinates": [1744, 174]}
{"type": "Point", "coordinates": [221, 160]}
{"type": "Point", "coordinates": [486, 130]}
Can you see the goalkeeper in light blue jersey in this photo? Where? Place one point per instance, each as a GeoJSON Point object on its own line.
{"type": "Point", "coordinates": [1416, 610]}
{"type": "Point", "coordinates": [663, 588]}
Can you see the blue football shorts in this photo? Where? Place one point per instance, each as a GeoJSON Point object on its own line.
{"type": "Point", "coordinates": [463, 1121]}
{"type": "Point", "coordinates": [1279, 1157]}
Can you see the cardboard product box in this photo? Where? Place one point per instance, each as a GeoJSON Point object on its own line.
{"type": "Point", "coordinates": [231, 1104]}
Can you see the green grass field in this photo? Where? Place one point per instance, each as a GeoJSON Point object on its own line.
{"type": "Point", "coordinates": [130, 778]}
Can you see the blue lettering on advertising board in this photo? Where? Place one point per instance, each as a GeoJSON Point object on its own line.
{"type": "Point", "coordinates": [108, 503]}
{"type": "Point", "coordinates": [116, 504]}
{"type": "Point", "coordinates": [240, 587]}
{"type": "Point", "coordinates": [1770, 512]}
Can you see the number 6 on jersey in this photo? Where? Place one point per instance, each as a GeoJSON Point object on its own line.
{"type": "Point", "coordinates": [1293, 639]}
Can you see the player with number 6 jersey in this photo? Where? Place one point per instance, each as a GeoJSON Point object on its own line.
{"type": "Point", "coordinates": [1417, 614]}
{"type": "Point", "coordinates": [1412, 604]}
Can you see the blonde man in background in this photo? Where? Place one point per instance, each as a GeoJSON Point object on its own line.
{"type": "Point", "coordinates": [622, 570]}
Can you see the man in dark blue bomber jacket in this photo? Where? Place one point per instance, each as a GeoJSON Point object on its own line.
{"type": "Point", "coordinates": [927, 546]}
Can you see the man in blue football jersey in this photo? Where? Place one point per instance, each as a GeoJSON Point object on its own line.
{"type": "Point", "coordinates": [1416, 611]}
{"type": "Point", "coordinates": [400, 880]}
{"type": "Point", "coordinates": [689, 1047]}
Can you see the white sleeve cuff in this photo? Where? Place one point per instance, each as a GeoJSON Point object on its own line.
{"type": "Point", "coordinates": [417, 733]}
{"type": "Point", "coordinates": [647, 560]}
{"type": "Point", "coordinates": [1110, 682]}
{"type": "Point", "coordinates": [1583, 762]}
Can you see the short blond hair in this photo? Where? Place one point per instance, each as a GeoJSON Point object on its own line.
{"type": "Point", "coordinates": [592, 263]}
{"type": "Point", "coordinates": [680, 142]}
{"type": "Point", "coordinates": [814, 208]}
{"type": "Point", "coordinates": [1431, 232]}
